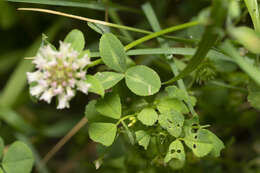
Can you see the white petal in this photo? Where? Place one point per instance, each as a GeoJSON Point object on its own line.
{"type": "Point", "coordinates": [70, 92]}
{"type": "Point", "coordinates": [34, 76]}
{"type": "Point", "coordinates": [37, 90]}
{"type": "Point", "coordinates": [63, 102]}
{"type": "Point", "coordinates": [64, 48]}
{"type": "Point", "coordinates": [47, 95]}
{"type": "Point", "coordinates": [83, 86]}
{"type": "Point", "coordinates": [58, 90]}
{"type": "Point", "coordinates": [82, 62]}
{"type": "Point", "coordinates": [39, 61]}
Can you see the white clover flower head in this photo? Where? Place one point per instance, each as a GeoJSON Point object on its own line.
{"type": "Point", "coordinates": [58, 73]}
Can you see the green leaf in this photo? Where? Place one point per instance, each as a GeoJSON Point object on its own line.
{"type": "Point", "coordinates": [142, 80]}
{"type": "Point", "coordinates": [218, 145]}
{"type": "Point", "coordinates": [210, 36]}
{"type": "Point", "coordinates": [250, 69]}
{"type": "Point", "coordinates": [18, 158]}
{"type": "Point", "coordinates": [175, 92]}
{"type": "Point", "coordinates": [1, 170]}
{"type": "Point", "coordinates": [247, 37]}
{"type": "Point", "coordinates": [166, 105]}
{"type": "Point", "coordinates": [109, 79]}
{"type": "Point", "coordinates": [110, 106]}
{"type": "Point", "coordinates": [253, 10]}
{"type": "Point", "coordinates": [254, 95]}
{"type": "Point", "coordinates": [76, 39]}
{"type": "Point", "coordinates": [172, 121]}
{"type": "Point", "coordinates": [143, 138]}
{"type": "Point", "coordinates": [2, 145]}
{"type": "Point", "coordinates": [103, 133]}
{"type": "Point", "coordinates": [96, 85]}
{"type": "Point", "coordinates": [176, 153]}
{"type": "Point", "coordinates": [101, 29]}
{"type": "Point", "coordinates": [112, 52]}
{"type": "Point", "coordinates": [198, 141]}
{"type": "Point", "coordinates": [148, 116]}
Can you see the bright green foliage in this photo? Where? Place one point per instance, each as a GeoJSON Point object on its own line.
{"type": "Point", "coordinates": [176, 154]}
{"type": "Point", "coordinates": [143, 138]}
{"type": "Point", "coordinates": [254, 95]}
{"type": "Point", "coordinates": [18, 158]}
{"type": "Point", "coordinates": [96, 85]}
{"type": "Point", "coordinates": [172, 121]}
{"type": "Point", "coordinates": [110, 105]}
{"type": "Point", "coordinates": [148, 116]}
{"type": "Point", "coordinates": [103, 133]}
{"type": "Point", "coordinates": [166, 105]}
{"type": "Point", "coordinates": [76, 39]}
{"type": "Point", "coordinates": [109, 79]}
{"type": "Point", "coordinates": [198, 141]}
{"type": "Point", "coordinates": [175, 92]}
{"type": "Point", "coordinates": [1, 147]}
{"type": "Point", "coordinates": [1, 170]}
{"type": "Point", "coordinates": [218, 145]}
{"type": "Point", "coordinates": [247, 37]}
{"type": "Point", "coordinates": [112, 52]}
{"type": "Point", "coordinates": [142, 80]}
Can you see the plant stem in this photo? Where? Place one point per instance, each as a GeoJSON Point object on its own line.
{"type": "Point", "coordinates": [160, 33]}
{"type": "Point", "coordinates": [94, 63]}
{"type": "Point", "coordinates": [178, 39]}
{"type": "Point", "coordinates": [124, 118]}
{"type": "Point", "coordinates": [64, 140]}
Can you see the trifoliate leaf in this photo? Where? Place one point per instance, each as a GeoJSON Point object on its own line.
{"type": "Point", "coordinates": [172, 121]}
{"type": "Point", "coordinates": [103, 133]}
{"type": "Point", "coordinates": [76, 39]}
{"type": "Point", "coordinates": [254, 95]}
{"type": "Point", "coordinates": [142, 80]}
{"type": "Point", "coordinates": [175, 92]}
{"type": "Point", "coordinates": [112, 52]}
{"type": "Point", "coordinates": [110, 105]}
{"type": "Point", "coordinates": [166, 105]}
{"type": "Point", "coordinates": [148, 116]}
{"type": "Point", "coordinates": [198, 141]}
{"type": "Point", "coordinates": [175, 153]}
{"type": "Point", "coordinates": [18, 158]}
{"type": "Point", "coordinates": [143, 138]}
{"type": "Point", "coordinates": [96, 85]}
{"type": "Point", "coordinates": [109, 79]}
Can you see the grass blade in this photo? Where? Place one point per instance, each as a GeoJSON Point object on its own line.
{"type": "Point", "coordinates": [251, 70]}
{"type": "Point", "coordinates": [209, 38]}
{"type": "Point", "coordinates": [252, 7]}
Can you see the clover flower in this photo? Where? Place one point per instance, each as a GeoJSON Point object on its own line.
{"type": "Point", "coordinates": [58, 73]}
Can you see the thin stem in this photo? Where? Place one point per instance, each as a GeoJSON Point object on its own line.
{"type": "Point", "coordinates": [178, 39]}
{"type": "Point", "coordinates": [64, 140]}
{"type": "Point", "coordinates": [160, 33]}
{"type": "Point", "coordinates": [96, 62]}
{"type": "Point", "coordinates": [124, 118]}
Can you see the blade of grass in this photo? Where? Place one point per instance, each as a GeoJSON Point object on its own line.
{"type": "Point", "coordinates": [17, 81]}
{"type": "Point", "coordinates": [178, 39]}
{"type": "Point", "coordinates": [151, 16]}
{"type": "Point", "coordinates": [90, 4]}
{"type": "Point", "coordinates": [210, 36]}
{"type": "Point", "coordinates": [252, 7]}
{"type": "Point", "coordinates": [251, 70]}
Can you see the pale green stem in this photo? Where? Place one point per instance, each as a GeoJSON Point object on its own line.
{"type": "Point", "coordinates": [160, 33]}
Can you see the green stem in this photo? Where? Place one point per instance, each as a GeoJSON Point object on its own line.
{"type": "Point", "coordinates": [124, 118]}
{"type": "Point", "coordinates": [94, 63]}
{"type": "Point", "coordinates": [160, 33]}
{"type": "Point", "coordinates": [105, 23]}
